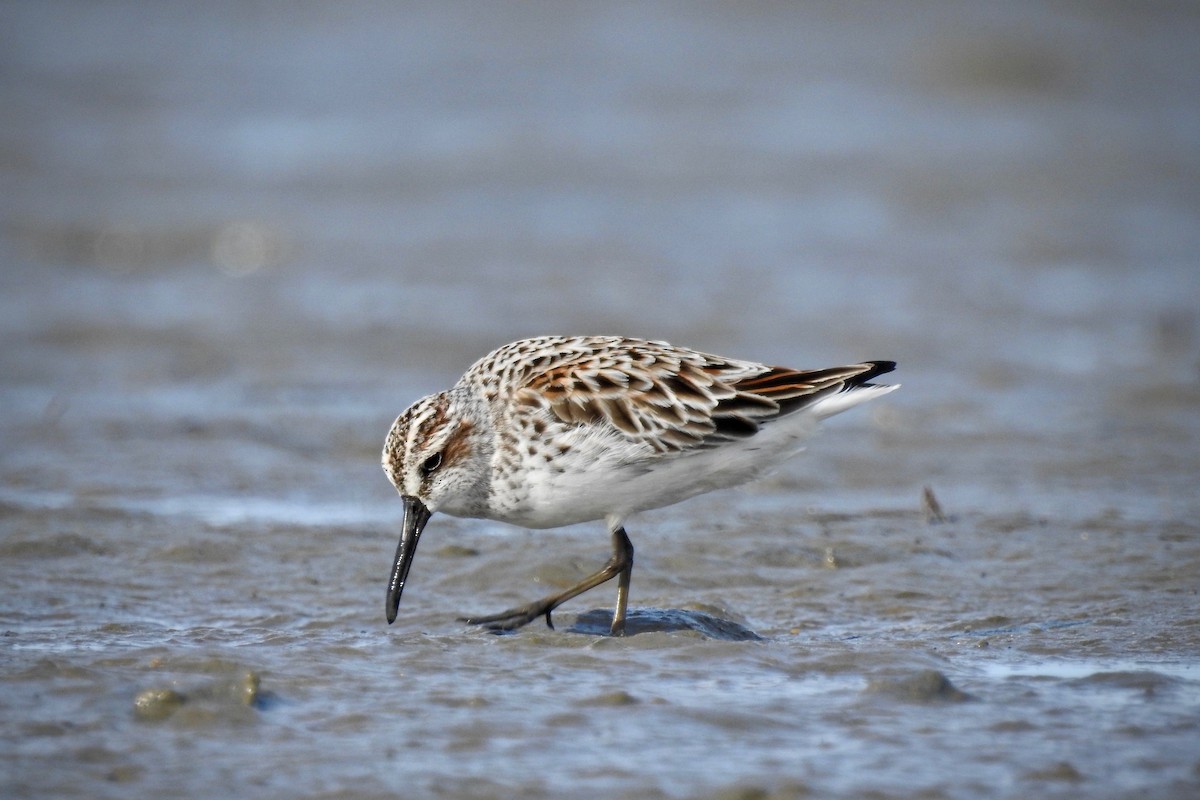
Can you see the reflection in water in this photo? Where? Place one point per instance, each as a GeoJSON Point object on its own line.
{"type": "Point", "coordinates": [665, 620]}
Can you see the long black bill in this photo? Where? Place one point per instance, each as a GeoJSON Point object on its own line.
{"type": "Point", "coordinates": [415, 517]}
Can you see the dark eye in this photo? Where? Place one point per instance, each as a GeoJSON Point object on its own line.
{"type": "Point", "coordinates": [431, 464]}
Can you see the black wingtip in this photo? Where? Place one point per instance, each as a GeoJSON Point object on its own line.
{"type": "Point", "coordinates": [877, 368]}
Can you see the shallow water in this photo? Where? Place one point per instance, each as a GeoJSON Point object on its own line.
{"type": "Point", "coordinates": [237, 243]}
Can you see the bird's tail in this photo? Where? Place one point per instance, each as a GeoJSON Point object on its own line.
{"type": "Point", "coordinates": [856, 390]}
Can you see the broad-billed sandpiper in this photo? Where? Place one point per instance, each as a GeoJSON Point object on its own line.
{"type": "Point", "coordinates": [556, 430]}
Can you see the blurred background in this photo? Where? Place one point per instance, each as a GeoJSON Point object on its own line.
{"type": "Point", "coordinates": [238, 238]}
{"type": "Point", "coordinates": [338, 207]}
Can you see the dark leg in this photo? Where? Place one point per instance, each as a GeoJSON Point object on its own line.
{"type": "Point", "coordinates": [625, 548]}
{"type": "Point", "coordinates": [620, 563]}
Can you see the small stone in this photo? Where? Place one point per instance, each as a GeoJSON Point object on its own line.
{"type": "Point", "coordinates": [152, 705]}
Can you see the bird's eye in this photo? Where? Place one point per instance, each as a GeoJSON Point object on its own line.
{"type": "Point", "coordinates": [431, 464]}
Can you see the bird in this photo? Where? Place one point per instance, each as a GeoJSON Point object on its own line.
{"type": "Point", "coordinates": [556, 430]}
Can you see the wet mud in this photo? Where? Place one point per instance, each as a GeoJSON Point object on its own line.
{"type": "Point", "coordinates": [235, 244]}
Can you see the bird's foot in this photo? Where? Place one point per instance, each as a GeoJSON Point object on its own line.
{"type": "Point", "coordinates": [515, 618]}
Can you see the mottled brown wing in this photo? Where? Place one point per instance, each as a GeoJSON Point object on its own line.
{"type": "Point", "coordinates": [792, 389]}
{"type": "Point", "coordinates": [673, 399]}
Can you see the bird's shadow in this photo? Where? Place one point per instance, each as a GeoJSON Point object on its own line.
{"type": "Point", "coordinates": [598, 621]}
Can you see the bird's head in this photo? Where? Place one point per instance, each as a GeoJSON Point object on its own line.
{"type": "Point", "coordinates": [438, 459]}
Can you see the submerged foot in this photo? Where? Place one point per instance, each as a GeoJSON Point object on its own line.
{"type": "Point", "coordinates": [514, 618]}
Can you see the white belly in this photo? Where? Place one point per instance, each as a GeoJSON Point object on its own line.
{"type": "Point", "coordinates": [611, 480]}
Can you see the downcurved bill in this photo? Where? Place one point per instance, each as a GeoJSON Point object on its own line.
{"type": "Point", "coordinates": [415, 517]}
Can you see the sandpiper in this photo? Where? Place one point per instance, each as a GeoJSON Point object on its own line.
{"type": "Point", "coordinates": [556, 430]}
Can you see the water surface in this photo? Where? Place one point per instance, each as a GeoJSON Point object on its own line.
{"type": "Point", "coordinates": [237, 241]}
